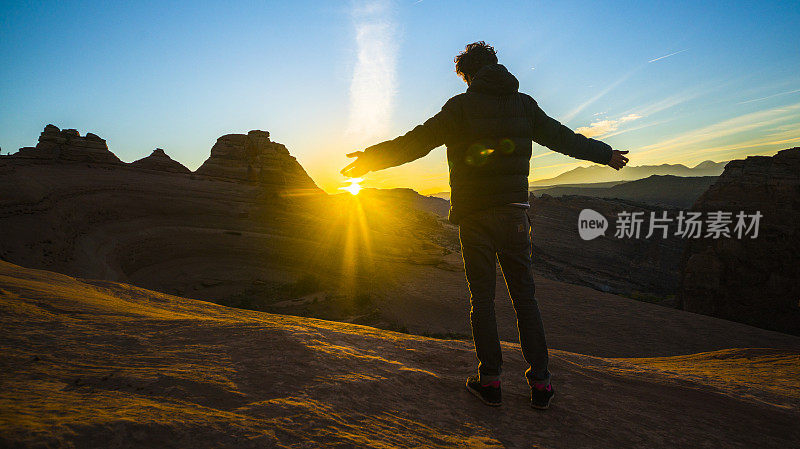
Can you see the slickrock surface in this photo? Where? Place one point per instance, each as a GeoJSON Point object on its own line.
{"type": "Point", "coordinates": [159, 160]}
{"type": "Point", "coordinates": [101, 364]}
{"type": "Point", "coordinates": [755, 281]}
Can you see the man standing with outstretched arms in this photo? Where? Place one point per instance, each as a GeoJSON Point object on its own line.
{"type": "Point", "coordinates": [488, 132]}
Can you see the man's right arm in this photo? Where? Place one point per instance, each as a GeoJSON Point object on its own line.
{"type": "Point", "coordinates": [411, 146]}
{"type": "Point", "coordinates": [550, 133]}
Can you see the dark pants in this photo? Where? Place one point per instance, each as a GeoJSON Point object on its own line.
{"type": "Point", "coordinates": [502, 233]}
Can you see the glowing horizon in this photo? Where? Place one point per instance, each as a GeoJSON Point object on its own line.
{"type": "Point", "coordinates": [354, 186]}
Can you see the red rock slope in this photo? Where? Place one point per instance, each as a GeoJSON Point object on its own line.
{"type": "Point", "coordinates": [102, 364]}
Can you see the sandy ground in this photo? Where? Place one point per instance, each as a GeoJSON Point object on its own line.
{"type": "Point", "coordinates": [102, 364]}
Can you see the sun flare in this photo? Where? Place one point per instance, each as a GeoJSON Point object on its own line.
{"type": "Point", "coordinates": [354, 187]}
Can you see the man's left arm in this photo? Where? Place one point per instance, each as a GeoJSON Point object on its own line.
{"type": "Point", "coordinates": [551, 133]}
{"type": "Point", "coordinates": [411, 146]}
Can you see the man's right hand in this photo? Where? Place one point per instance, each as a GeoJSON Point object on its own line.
{"type": "Point", "coordinates": [618, 159]}
{"type": "Point", "coordinates": [358, 167]}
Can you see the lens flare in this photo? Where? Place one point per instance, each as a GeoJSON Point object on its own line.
{"type": "Point", "coordinates": [354, 186]}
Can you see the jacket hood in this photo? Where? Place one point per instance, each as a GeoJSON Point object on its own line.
{"type": "Point", "coordinates": [494, 79]}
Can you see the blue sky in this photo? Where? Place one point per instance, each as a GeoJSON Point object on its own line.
{"type": "Point", "coordinates": [330, 77]}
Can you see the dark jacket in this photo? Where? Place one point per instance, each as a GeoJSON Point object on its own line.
{"type": "Point", "coordinates": [488, 132]}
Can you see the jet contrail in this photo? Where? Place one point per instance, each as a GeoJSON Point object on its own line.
{"type": "Point", "coordinates": [667, 56]}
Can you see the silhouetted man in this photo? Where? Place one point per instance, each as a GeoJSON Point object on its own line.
{"type": "Point", "coordinates": [488, 132]}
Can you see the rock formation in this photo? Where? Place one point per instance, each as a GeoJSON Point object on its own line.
{"type": "Point", "coordinates": [253, 157]}
{"type": "Point", "coordinates": [67, 144]}
{"type": "Point", "coordinates": [754, 281]}
{"type": "Point", "coordinates": [217, 238]}
{"type": "Point", "coordinates": [159, 161]}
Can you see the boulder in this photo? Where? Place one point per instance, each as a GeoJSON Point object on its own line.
{"type": "Point", "coordinates": [750, 280]}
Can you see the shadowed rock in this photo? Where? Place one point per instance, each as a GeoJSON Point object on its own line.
{"type": "Point", "coordinates": [607, 263]}
{"type": "Point", "coordinates": [753, 281]}
{"type": "Point", "coordinates": [159, 160]}
{"type": "Point", "coordinates": [68, 145]}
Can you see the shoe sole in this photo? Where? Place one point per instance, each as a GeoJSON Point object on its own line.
{"type": "Point", "coordinates": [477, 394]}
{"type": "Point", "coordinates": [546, 406]}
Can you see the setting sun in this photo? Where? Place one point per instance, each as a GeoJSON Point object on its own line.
{"type": "Point", "coordinates": [354, 187]}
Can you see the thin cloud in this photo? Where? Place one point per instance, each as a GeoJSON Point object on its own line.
{"type": "Point", "coordinates": [696, 139]}
{"type": "Point", "coordinates": [637, 128]}
{"type": "Point", "coordinates": [548, 153]}
{"type": "Point", "coordinates": [571, 114]}
{"type": "Point", "coordinates": [667, 103]}
{"type": "Point", "coordinates": [667, 56]}
{"type": "Point", "coordinates": [602, 127]}
{"type": "Point", "coordinates": [770, 96]}
{"type": "Point", "coordinates": [372, 89]}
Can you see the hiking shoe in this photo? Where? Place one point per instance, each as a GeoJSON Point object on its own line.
{"type": "Point", "coordinates": [541, 395]}
{"type": "Point", "coordinates": [488, 393]}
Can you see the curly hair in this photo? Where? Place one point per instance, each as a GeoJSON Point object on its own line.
{"type": "Point", "coordinates": [474, 56]}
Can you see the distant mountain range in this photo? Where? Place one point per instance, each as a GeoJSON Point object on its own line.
{"type": "Point", "coordinates": [600, 173]}
{"type": "Point", "coordinates": [675, 191]}
{"type": "Point", "coordinates": [598, 176]}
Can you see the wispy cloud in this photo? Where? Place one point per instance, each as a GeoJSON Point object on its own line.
{"type": "Point", "coordinates": [603, 127]}
{"type": "Point", "coordinates": [705, 137]}
{"type": "Point", "coordinates": [667, 56]}
{"type": "Point", "coordinates": [770, 96]}
{"type": "Point", "coordinates": [571, 114]}
{"type": "Point", "coordinates": [548, 153]}
{"type": "Point", "coordinates": [780, 136]}
{"type": "Point", "coordinates": [372, 89]}
{"type": "Point", "coordinates": [667, 102]}
{"type": "Point", "coordinates": [577, 110]}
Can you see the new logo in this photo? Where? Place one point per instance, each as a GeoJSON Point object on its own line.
{"type": "Point", "coordinates": [591, 224]}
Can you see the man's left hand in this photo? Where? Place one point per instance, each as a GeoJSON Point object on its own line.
{"type": "Point", "coordinates": [618, 159]}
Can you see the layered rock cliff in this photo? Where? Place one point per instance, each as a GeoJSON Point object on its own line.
{"type": "Point", "coordinates": [69, 145]}
{"type": "Point", "coordinates": [254, 157]}
{"type": "Point", "coordinates": [751, 280]}
{"type": "Point", "coordinates": [159, 161]}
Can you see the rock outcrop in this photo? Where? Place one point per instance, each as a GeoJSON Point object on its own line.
{"type": "Point", "coordinates": [159, 161]}
{"type": "Point", "coordinates": [253, 157]}
{"type": "Point", "coordinates": [750, 280]}
{"type": "Point", "coordinates": [67, 144]}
